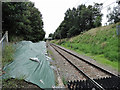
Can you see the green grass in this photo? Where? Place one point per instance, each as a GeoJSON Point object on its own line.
{"type": "Point", "coordinates": [51, 53]}
{"type": "Point", "coordinates": [100, 43]}
{"type": "Point", "coordinates": [101, 59]}
{"type": "Point", "coordinates": [64, 81]}
{"type": "Point", "coordinates": [7, 56]}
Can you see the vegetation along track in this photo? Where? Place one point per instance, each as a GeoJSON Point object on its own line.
{"type": "Point", "coordinates": [87, 69]}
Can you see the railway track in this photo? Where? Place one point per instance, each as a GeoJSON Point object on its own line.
{"type": "Point", "coordinates": [91, 72]}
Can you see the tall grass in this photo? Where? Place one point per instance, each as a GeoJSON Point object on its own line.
{"type": "Point", "coordinates": [7, 56]}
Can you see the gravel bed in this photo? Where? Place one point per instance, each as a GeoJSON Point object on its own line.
{"type": "Point", "coordinates": [89, 59]}
{"type": "Point", "coordinates": [88, 69]}
{"type": "Point", "coordinates": [65, 70]}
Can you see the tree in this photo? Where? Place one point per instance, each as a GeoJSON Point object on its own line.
{"type": "Point", "coordinates": [50, 35]}
{"type": "Point", "coordinates": [97, 22]}
{"type": "Point", "coordinates": [113, 15]}
{"type": "Point", "coordinates": [23, 19]}
{"type": "Point", "coordinates": [79, 19]}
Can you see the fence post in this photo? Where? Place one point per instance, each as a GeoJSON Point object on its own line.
{"type": "Point", "coordinates": [6, 36]}
{"type": "Point", "coordinates": [118, 30]}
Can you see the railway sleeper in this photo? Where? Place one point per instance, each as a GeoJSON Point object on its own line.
{"type": "Point", "coordinates": [108, 83]}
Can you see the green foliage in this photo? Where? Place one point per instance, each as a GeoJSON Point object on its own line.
{"type": "Point", "coordinates": [78, 20]}
{"type": "Point", "coordinates": [50, 35]}
{"type": "Point", "coordinates": [98, 21]}
{"type": "Point", "coordinates": [113, 15]}
{"type": "Point", "coordinates": [64, 81]}
{"type": "Point", "coordinates": [8, 54]}
{"type": "Point", "coordinates": [23, 19]}
{"type": "Point", "coordinates": [16, 39]}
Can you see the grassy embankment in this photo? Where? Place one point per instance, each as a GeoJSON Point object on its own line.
{"type": "Point", "coordinates": [100, 43]}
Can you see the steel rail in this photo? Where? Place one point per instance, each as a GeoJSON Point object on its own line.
{"type": "Point", "coordinates": [100, 68]}
{"type": "Point", "coordinates": [86, 76]}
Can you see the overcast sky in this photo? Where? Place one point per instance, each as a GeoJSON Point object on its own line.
{"type": "Point", "coordinates": [53, 10]}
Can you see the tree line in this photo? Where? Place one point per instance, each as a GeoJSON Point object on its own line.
{"type": "Point", "coordinates": [22, 19]}
{"type": "Point", "coordinates": [78, 20]}
{"type": "Point", "coordinates": [82, 18]}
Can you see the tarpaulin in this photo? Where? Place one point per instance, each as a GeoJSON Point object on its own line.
{"type": "Point", "coordinates": [25, 65]}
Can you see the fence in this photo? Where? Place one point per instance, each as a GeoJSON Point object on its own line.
{"type": "Point", "coordinates": [4, 41]}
